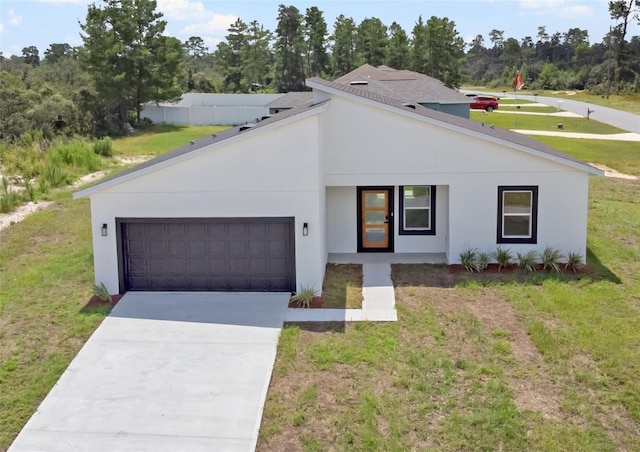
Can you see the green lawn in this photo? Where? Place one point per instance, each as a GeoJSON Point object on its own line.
{"type": "Point", "coordinates": [549, 123]}
{"type": "Point", "coordinates": [159, 139]}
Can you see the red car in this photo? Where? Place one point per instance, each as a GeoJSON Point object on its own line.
{"type": "Point", "coordinates": [484, 103]}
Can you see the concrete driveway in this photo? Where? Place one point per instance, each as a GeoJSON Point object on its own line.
{"type": "Point", "coordinates": [165, 372]}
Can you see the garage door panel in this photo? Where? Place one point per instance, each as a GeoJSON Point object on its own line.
{"type": "Point", "coordinates": [251, 254]}
{"type": "Point", "coordinates": [277, 266]}
{"type": "Point", "coordinates": [218, 266]}
{"type": "Point", "coordinates": [216, 247]}
{"type": "Point", "coordinates": [237, 248]}
{"type": "Point", "coordinates": [237, 231]}
{"type": "Point", "coordinates": [238, 265]}
{"type": "Point", "coordinates": [198, 265]}
{"type": "Point", "coordinates": [139, 265]}
{"type": "Point", "coordinates": [277, 248]}
{"type": "Point", "coordinates": [197, 247]}
{"type": "Point", "coordinates": [157, 266]}
{"type": "Point", "coordinates": [177, 248]}
{"type": "Point", "coordinates": [258, 231]}
{"type": "Point", "coordinates": [155, 231]}
{"type": "Point", "coordinates": [176, 266]}
{"type": "Point", "coordinates": [279, 283]}
{"type": "Point", "coordinates": [259, 265]}
{"type": "Point", "coordinates": [157, 248]}
{"type": "Point", "coordinates": [258, 248]}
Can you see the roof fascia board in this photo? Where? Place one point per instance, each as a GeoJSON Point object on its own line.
{"type": "Point", "coordinates": [583, 167]}
{"type": "Point", "coordinates": [189, 155]}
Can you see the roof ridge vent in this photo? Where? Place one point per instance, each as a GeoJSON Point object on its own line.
{"type": "Point", "coordinates": [358, 82]}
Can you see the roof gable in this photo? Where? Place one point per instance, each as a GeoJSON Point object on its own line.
{"type": "Point", "coordinates": [462, 125]}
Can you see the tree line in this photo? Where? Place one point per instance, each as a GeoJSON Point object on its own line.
{"type": "Point", "coordinates": [99, 88]}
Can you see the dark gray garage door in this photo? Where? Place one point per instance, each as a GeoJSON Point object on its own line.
{"type": "Point", "coordinates": [207, 254]}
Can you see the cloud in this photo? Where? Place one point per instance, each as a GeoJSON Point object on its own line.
{"type": "Point", "coordinates": [542, 4]}
{"type": "Point", "coordinates": [558, 7]}
{"type": "Point", "coordinates": [64, 2]}
{"type": "Point", "coordinates": [1, 27]}
{"type": "Point", "coordinates": [181, 9]}
{"type": "Point", "coordinates": [216, 26]}
{"type": "Point", "coordinates": [577, 10]}
{"type": "Point", "coordinates": [14, 19]}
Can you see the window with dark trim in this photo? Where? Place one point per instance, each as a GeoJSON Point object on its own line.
{"type": "Point", "coordinates": [517, 214]}
{"type": "Point", "coordinates": [417, 210]}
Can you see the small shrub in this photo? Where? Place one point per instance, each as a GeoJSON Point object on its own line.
{"type": "Point", "coordinates": [101, 292]}
{"type": "Point", "coordinates": [9, 199]}
{"type": "Point", "coordinates": [42, 184]}
{"type": "Point", "coordinates": [469, 260]}
{"type": "Point", "coordinates": [54, 175]}
{"type": "Point", "coordinates": [550, 258]}
{"type": "Point", "coordinates": [527, 261]}
{"type": "Point", "coordinates": [77, 154]}
{"type": "Point", "coordinates": [304, 296]}
{"type": "Point", "coordinates": [484, 258]}
{"type": "Point", "coordinates": [574, 262]}
{"type": "Point", "coordinates": [503, 257]}
{"type": "Point", "coordinates": [103, 147]}
{"type": "Point", "coordinates": [29, 190]}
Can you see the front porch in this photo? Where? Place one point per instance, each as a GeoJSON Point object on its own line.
{"type": "Point", "coordinates": [387, 258]}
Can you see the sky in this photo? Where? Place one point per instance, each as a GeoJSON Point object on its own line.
{"type": "Point", "coordinates": [40, 23]}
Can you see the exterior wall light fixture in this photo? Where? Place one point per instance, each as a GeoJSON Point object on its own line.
{"type": "Point", "coordinates": [103, 230]}
{"type": "Point", "coordinates": [305, 228]}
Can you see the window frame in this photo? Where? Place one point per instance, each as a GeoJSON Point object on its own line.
{"type": "Point", "coordinates": [432, 212]}
{"type": "Point", "coordinates": [533, 237]}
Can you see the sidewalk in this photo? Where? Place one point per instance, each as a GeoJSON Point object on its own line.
{"type": "Point", "coordinates": [378, 305]}
{"type": "Point", "coordinates": [630, 136]}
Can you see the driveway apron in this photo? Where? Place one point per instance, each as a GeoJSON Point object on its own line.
{"type": "Point", "coordinates": [165, 372]}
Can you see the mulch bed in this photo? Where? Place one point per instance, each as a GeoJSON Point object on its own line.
{"type": "Point", "coordinates": [495, 268]}
{"type": "Point", "coordinates": [315, 304]}
{"type": "Point", "coordinates": [97, 302]}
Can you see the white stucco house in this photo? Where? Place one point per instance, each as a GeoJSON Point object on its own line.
{"type": "Point", "coordinates": [354, 174]}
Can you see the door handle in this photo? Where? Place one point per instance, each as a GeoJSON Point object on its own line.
{"type": "Point", "coordinates": [386, 219]}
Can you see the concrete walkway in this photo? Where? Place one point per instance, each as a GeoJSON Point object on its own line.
{"type": "Point", "coordinates": [629, 136]}
{"type": "Point", "coordinates": [378, 305]}
{"type": "Point", "coordinates": [165, 372]}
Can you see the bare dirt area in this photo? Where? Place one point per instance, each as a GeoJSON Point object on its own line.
{"type": "Point", "coordinates": [533, 388]}
{"type": "Point", "coordinates": [611, 172]}
{"type": "Point", "coordinates": [7, 219]}
{"type": "Point", "coordinates": [19, 214]}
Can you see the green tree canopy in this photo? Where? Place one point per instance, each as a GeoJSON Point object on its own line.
{"type": "Point", "coordinates": [289, 50]}
{"type": "Point", "coordinates": [130, 60]}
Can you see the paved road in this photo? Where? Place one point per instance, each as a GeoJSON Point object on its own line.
{"type": "Point", "coordinates": [617, 118]}
{"type": "Point", "coordinates": [165, 372]}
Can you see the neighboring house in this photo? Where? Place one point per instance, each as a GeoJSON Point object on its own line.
{"type": "Point", "coordinates": [353, 172]}
{"type": "Point", "coordinates": [208, 109]}
{"type": "Point", "coordinates": [410, 87]}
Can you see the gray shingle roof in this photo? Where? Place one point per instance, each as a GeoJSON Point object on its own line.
{"type": "Point", "coordinates": [292, 99]}
{"type": "Point", "coordinates": [405, 85]}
